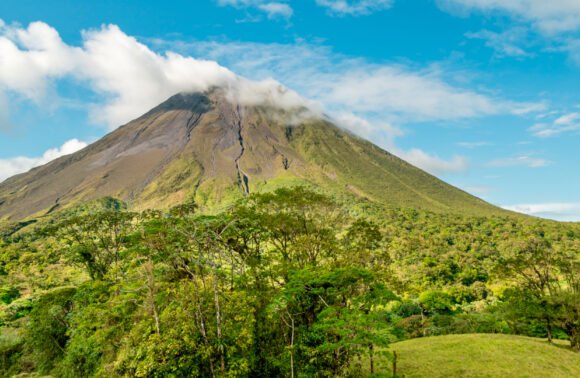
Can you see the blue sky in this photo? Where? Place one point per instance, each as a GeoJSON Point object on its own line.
{"type": "Point", "coordinates": [482, 93]}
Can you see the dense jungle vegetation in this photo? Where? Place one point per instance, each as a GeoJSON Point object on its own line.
{"type": "Point", "coordinates": [290, 283]}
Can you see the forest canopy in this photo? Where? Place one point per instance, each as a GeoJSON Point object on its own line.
{"type": "Point", "coordinates": [288, 283]}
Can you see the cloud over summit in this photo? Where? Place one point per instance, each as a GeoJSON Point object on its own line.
{"type": "Point", "coordinates": [130, 77]}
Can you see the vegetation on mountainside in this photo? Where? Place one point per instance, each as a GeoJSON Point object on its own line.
{"type": "Point", "coordinates": [288, 283]}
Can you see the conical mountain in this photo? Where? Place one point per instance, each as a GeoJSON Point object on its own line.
{"type": "Point", "coordinates": [206, 147]}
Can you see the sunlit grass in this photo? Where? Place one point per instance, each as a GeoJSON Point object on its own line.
{"type": "Point", "coordinates": [481, 355]}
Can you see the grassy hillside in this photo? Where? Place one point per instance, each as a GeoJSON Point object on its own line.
{"type": "Point", "coordinates": [483, 355]}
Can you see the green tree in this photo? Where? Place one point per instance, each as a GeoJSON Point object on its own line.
{"type": "Point", "coordinates": [547, 283]}
{"type": "Point", "coordinates": [46, 332]}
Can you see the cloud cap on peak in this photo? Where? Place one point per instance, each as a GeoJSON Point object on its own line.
{"type": "Point", "coordinates": [129, 75]}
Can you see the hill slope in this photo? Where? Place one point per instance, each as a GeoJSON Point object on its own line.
{"type": "Point", "coordinates": [483, 355]}
{"type": "Point", "coordinates": [204, 147]}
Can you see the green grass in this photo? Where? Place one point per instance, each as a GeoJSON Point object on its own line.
{"type": "Point", "coordinates": [482, 355]}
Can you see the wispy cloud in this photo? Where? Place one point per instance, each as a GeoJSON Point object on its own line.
{"type": "Point", "coordinates": [5, 123]}
{"type": "Point", "coordinates": [548, 16]}
{"type": "Point", "coordinates": [510, 42]}
{"type": "Point", "coordinates": [433, 163]}
{"type": "Point", "coordinates": [566, 123]}
{"type": "Point", "coordinates": [569, 211]}
{"type": "Point", "coordinates": [15, 165]}
{"type": "Point", "coordinates": [394, 92]}
{"type": "Point", "coordinates": [473, 145]}
{"type": "Point", "coordinates": [555, 24]}
{"type": "Point", "coordinates": [572, 46]}
{"type": "Point", "coordinates": [354, 7]}
{"type": "Point", "coordinates": [521, 160]}
{"type": "Point", "coordinates": [273, 9]}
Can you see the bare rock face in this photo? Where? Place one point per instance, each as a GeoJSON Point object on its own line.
{"type": "Point", "coordinates": [206, 148]}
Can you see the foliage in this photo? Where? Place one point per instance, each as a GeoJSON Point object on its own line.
{"type": "Point", "coordinates": [288, 283]}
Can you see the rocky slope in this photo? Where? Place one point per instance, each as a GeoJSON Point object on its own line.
{"type": "Point", "coordinates": [204, 147]}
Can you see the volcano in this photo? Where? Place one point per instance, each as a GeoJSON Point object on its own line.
{"type": "Point", "coordinates": [206, 147]}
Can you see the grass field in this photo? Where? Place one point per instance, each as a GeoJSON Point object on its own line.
{"type": "Point", "coordinates": [482, 355]}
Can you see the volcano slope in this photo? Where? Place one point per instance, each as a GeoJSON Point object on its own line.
{"type": "Point", "coordinates": [207, 148]}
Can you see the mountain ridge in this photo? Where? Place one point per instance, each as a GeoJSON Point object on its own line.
{"type": "Point", "coordinates": [210, 148]}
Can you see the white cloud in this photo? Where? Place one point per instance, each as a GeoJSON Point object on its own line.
{"type": "Point", "coordinates": [12, 166]}
{"type": "Point", "coordinates": [548, 16]}
{"type": "Point", "coordinates": [5, 122]}
{"type": "Point", "coordinates": [564, 124]}
{"type": "Point", "coordinates": [134, 78]}
{"type": "Point", "coordinates": [371, 99]}
{"type": "Point", "coordinates": [354, 7]}
{"type": "Point", "coordinates": [432, 163]}
{"type": "Point", "coordinates": [126, 73]}
{"type": "Point", "coordinates": [32, 57]}
{"type": "Point", "coordinates": [364, 127]}
{"type": "Point", "coordinates": [396, 90]}
{"type": "Point", "coordinates": [572, 46]}
{"type": "Point", "coordinates": [273, 9]}
{"type": "Point", "coordinates": [392, 92]}
{"type": "Point", "coordinates": [522, 160]}
{"type": "Point", "coordinates": [558, 211]}
{"type": "Point", "coordinates": [506, 43]}
{"type": "Point", "coordinates": [556, 24]}
{"type": "Point", "coordinates": [472, 145]}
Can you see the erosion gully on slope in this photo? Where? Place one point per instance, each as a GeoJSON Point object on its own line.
{"type": "Point", "coordinates": [243, 179]}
